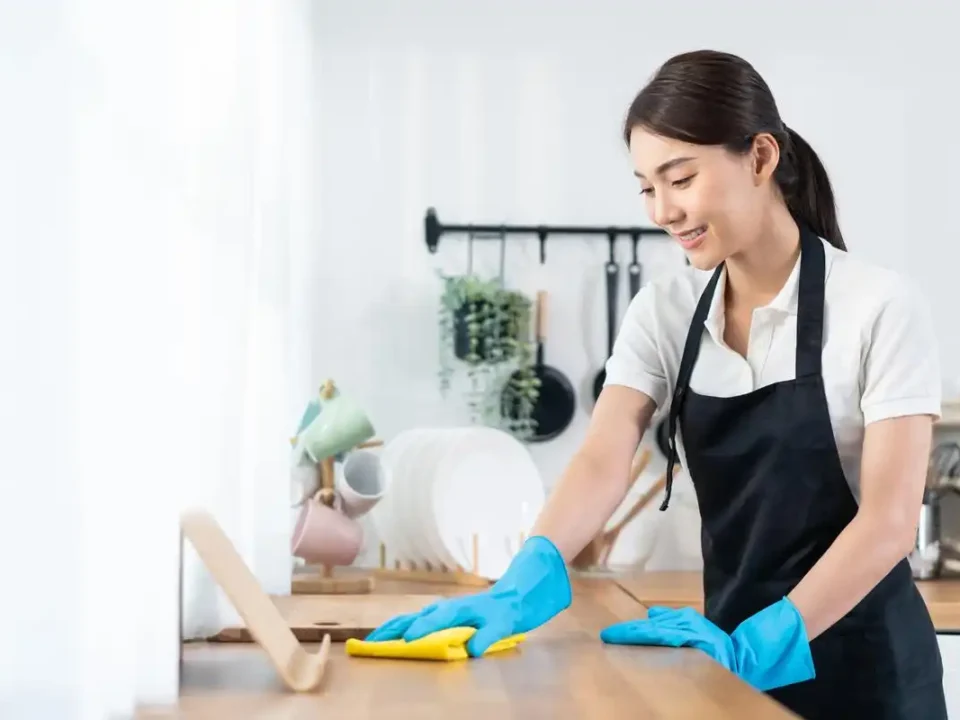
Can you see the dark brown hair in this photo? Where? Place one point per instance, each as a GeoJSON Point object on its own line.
{"type": "Point", "coordinates": [714, 98]}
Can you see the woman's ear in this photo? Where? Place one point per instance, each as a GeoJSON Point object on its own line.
{"type": "Point", "coordinates": [765, 156]}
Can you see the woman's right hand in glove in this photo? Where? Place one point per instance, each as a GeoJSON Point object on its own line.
{"type": "Point", "coordinates": [534, 589]}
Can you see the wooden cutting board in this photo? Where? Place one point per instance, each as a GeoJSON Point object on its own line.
{"type": "Point", "coordinates": [342, 616]}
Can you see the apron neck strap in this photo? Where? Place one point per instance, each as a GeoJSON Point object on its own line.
{"type": "Point", "coordinates": [809, 333]}
{"type": "Point", "coordinates": [810, 304]}
{"type": "Point", "coordinates": [691, 350]}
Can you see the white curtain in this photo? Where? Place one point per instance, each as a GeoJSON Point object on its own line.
{"type": "Point", "coordinates": [156, 275]}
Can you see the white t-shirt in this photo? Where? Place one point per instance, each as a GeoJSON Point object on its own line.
{"type": "Point", "coordinates": [880, 355]}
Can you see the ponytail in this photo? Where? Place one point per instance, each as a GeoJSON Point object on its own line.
{"type": "Point", "coordinates": [806, 187]}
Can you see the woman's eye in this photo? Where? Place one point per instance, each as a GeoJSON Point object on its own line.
{"type": "Point", "coordinates": [646, 191]}
{"type": "Point", "coordinates": [683, 182]}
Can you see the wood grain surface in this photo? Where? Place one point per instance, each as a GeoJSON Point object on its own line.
{"type": "Point", "coordinates": [943, 601]}
{"type": "Point", "coordinates": [561, 671]}
{"type": "Point", "coordinates": [681, 589]}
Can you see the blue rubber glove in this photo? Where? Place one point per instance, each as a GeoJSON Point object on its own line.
{"type": "Point", "coordinates": [534, 589]}
{"type": "Point", "coordinates": [768, 650]}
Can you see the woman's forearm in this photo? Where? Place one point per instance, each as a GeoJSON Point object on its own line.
{"type": "Point", "coordinates": [859, 558]}
{"type": "Point", "coordinates": [892, 475]}
{"type": "Point", "coordinates": [582, 502]}
{"type": "Point", "coordinates": [598, 477]}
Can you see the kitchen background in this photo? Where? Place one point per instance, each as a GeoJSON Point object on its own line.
{"type": "Point", "coordinates": [207, 208]}
{"type": "Point", "coordinates": [508, 112]}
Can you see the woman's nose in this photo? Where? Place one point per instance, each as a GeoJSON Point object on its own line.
{"type": "Point", "coordinates": [665, 212]}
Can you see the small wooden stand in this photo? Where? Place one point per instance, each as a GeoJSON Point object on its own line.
{"type": "Point", "coordinates": [324, 582]}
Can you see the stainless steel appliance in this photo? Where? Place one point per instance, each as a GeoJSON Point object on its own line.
{"type": "Point", "coordinates": [926, 560]}
{"type": "Point", "coordinates": [932, 550]}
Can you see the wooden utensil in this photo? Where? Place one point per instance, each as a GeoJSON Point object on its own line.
{"type": "Point", "coordinates": [597, 552]}
{"type": "Point", "coordinates": [613, 534]}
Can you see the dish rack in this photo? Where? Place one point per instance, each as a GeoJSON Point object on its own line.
{"type": "Point", "coordinates": [440, 573]}
{"type": "Point", "coordinates": [324, 579]}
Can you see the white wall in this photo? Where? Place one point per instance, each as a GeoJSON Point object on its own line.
{"type": "Point", "coordinates": [509, 112]}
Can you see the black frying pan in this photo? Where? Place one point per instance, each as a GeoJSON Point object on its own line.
{"type": "Point", "coordinates": [612, 271]}
{"type": "Point", "coordinates": [555, 404]}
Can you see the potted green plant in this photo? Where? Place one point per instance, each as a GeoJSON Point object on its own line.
{"type": "Point", "coordinates": [485, 329]}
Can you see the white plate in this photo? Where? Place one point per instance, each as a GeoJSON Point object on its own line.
{"type": "Point", "coordinates": [380, 516]}
{"type": "Point", "coordinates": [408, 514]}
{"type": "Point", "coordinates": [439, 462]}
{"type": "Point", "coordinates": [390, 526]}
{"type": "Point", "coordinates": [486, 485]}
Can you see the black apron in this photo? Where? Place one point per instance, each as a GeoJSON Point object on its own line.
{"type": "Point", "coordinates": [773, 497]}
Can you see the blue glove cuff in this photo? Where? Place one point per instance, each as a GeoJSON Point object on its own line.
{"type": "Point", "coordinates": [772, 648]}
{"type": "Point", "coordinates": [538, 577]}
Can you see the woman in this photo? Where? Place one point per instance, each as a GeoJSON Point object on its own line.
{"type": "Point", "coordinates": [799, 385]}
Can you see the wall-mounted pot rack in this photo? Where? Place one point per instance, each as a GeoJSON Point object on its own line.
{"type": "Point", "coordinates": [434, 230]}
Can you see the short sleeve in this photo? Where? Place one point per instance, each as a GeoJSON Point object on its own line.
{"type": "Point", "coordinates": [636, 362]}
{"type": "Point", "coordinates": [901, 362]}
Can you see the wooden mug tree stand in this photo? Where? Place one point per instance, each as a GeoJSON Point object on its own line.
{"type": "Point", "coordinates": [324, 582]}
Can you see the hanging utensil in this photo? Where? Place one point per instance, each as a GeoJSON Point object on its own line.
{"type": "Point", "coordinates": [612, 272]}
{"type": "Point", "coordinates": [553, 409]}
{"type": "Point", "coordinates": [633, 271]}
{"type": "Point", "coordinates": [461, 330]}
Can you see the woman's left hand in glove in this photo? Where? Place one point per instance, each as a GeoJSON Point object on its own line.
{"type": "Point", "coordinates": [768, 650]}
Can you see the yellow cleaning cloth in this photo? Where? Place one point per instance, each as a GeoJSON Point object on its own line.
{"type": "Point", "coordinates": [449, 644]}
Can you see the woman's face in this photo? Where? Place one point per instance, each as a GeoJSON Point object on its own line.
{"type": "Point", "coordinates": [708, 199]}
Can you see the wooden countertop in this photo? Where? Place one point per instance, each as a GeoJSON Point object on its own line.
{"type": "Point", "coordinates": [679, 589]}
{"type": "Point", "coordinates": [561, 671]}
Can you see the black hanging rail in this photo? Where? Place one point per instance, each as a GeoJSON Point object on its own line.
{"type": "Point", "coordinates": [434, 229]}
